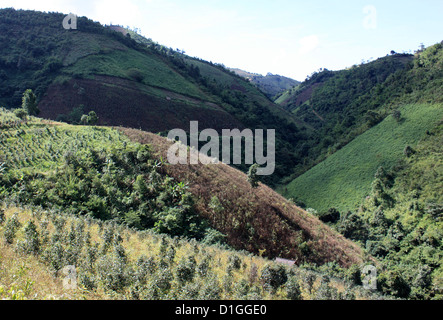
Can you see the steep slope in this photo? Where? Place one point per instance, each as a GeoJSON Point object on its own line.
{"type": "Point", "coordinates": [341, 105]}
{"type": "Point", "coordinates": [115, 262]}
{"type": "Point", "coordinates": [253, 219]}
{"type": "Point", "coordinates": [411, 99]}
{"type": "Point", "coordinates": [99, 172]}
{"type": "Point", "coordinates": [131, 82]}
{"type": "Point", "coordinates": [387, 182]}
{"type": "Point", "coordinates": [344, 178]}
{"type": "Point", "coordinates": [401, 222]}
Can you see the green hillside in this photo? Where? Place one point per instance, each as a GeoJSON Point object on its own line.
{"type": "Point", "coordinates": [409, 100]}
{"type": "Point", "coordinates": [383, 188]}
{"type": "Point", "coordinates": [95, 198]}
{"type": "Point", "coordinates": [133, 82]}
{"type": "Point", "coordinates": [401, 222]}
{"type": "Point", "coordinates": [111, 174]}
{"type": "Point", "coordinates": [345, 178]}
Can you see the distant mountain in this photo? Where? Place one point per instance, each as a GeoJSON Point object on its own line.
{"type": "Point", "coordinates": [271, 84]}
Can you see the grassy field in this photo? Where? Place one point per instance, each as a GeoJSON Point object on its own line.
{"type": "Point", "coordinates": [345, 178]}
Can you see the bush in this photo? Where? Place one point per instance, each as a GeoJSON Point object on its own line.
{"type": "Point", "coordinates": [234, 262]}
{"type": "Point", "coordinates": [111, 273]}
{"type": "Point", "coordinates": [32, 241]}
{"type": "Point", "coordinates": [135, 74]}
{"type": "Point", "coordinates": [186, 269]}
{"type": "Point", "coordinates": [20, 113]}
{"type": "Point", "coordinates": [353, 275]}
{"type": "Point", "coordinates": [211, 290]}
{"type": "Point", "coordinates": [273, 277]}
{"type": "Point", "coordinates": [11, 227]}
{"type": "Point", "coordinates": [332, 215]}
{"type": "Point", "coordinates": [293, 291]}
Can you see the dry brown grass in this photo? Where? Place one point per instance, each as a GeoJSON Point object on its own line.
{"type": "Point", "coordinates": [255, 219]}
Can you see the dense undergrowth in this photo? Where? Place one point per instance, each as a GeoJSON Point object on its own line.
{"type": "Point", "coordinates": [96, 172]}
{"type": "Point", "coordinates": [400, 222]}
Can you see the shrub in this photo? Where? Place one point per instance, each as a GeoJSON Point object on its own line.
{"type": "Point", "coordinates": [20, 113]}
{"type": "Point", "coordinates": [332, 215]}
{"type": "Point", "coordinates": [213, 236]}
{"type": "Point", "coordinates": [273, 277]}
{"type": "Point", "coordinates": [163, 280]}
{"type": "Point", "coordinates": [211, 290]}
{"type": "Point", "coordinates": [11, 227]}
{"type": "Point", "coordinates": [353, 275]}
{"type": "Point", "coordinates": [252, 176]}
{"type": "Point", "coordinates": [185, 270]}
{"type": "Point", "coordinates": [32, 241]}
{"type": "Point", "coordinates": [135, 74]}
{"type": "Point", "coordinates": [234, 262]}
{"type": "Point", "coordinates": [293, 291]}
{"type": "Point", "coordinates": [29, 103]}
{"type": "Point", "coordinates": [111, 273]}
{"type": "Point", "coordinates": [204, 266]}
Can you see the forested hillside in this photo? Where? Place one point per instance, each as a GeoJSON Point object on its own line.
{"type": "Point", "coordinates": [84, 180]}
{"type": "Point", "coordinates": [96, 198]}
{"type": "Point", "coordinates": [134, 83]}
{"type": "Point", "coordinates": [383, 189]}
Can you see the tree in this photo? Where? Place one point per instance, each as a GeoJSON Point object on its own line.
{"type": "Point", "coordinates": [89, 119]}
{"type": "Point", "coordinates": [252, 176]}
{"type": "Point", "coordinates": [29, 103]}
{"type": "Point", "coordinates": [20, 113]}
{"type": "Point", "coordinates": [397, 115]}
{"type": "Point", "coordinates": [84, 119]}
{"type": "Point", "coordinates": [92, 118]}
{"type": "Point", "coordinates": [408, 151]}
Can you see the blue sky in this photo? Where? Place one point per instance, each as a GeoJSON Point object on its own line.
{"type": "Point", "coordinates": [290, 38]}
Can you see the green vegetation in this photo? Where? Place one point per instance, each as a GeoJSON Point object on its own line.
{"type": "Point", "coordinates": [386, 183]}
{"type": "Point", "coordinates": [341, 105]}
{"type": "Point", "coordinates": [29, 103]}
{"type": "Point", "coordinates": [104, 204]}
{"type": "Point", "coordinates": [116, 262]}
{"type": "Point", "coordinates": [133, 82]}
{"type": "Point", "coordinates": [345, 178]}
{"type": "Point", "coordinates": [400, 223]}
{"type": "Point", "coordinates": [96, 172]}
{"type": "Point", "coordinates": [361, 146]}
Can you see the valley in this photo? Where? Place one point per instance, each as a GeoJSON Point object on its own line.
{"type": "Point", "coordinates": [85, 181]}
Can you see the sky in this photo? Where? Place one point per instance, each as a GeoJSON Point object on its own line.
{"type": "Point", "coordinates": [291, 38]}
